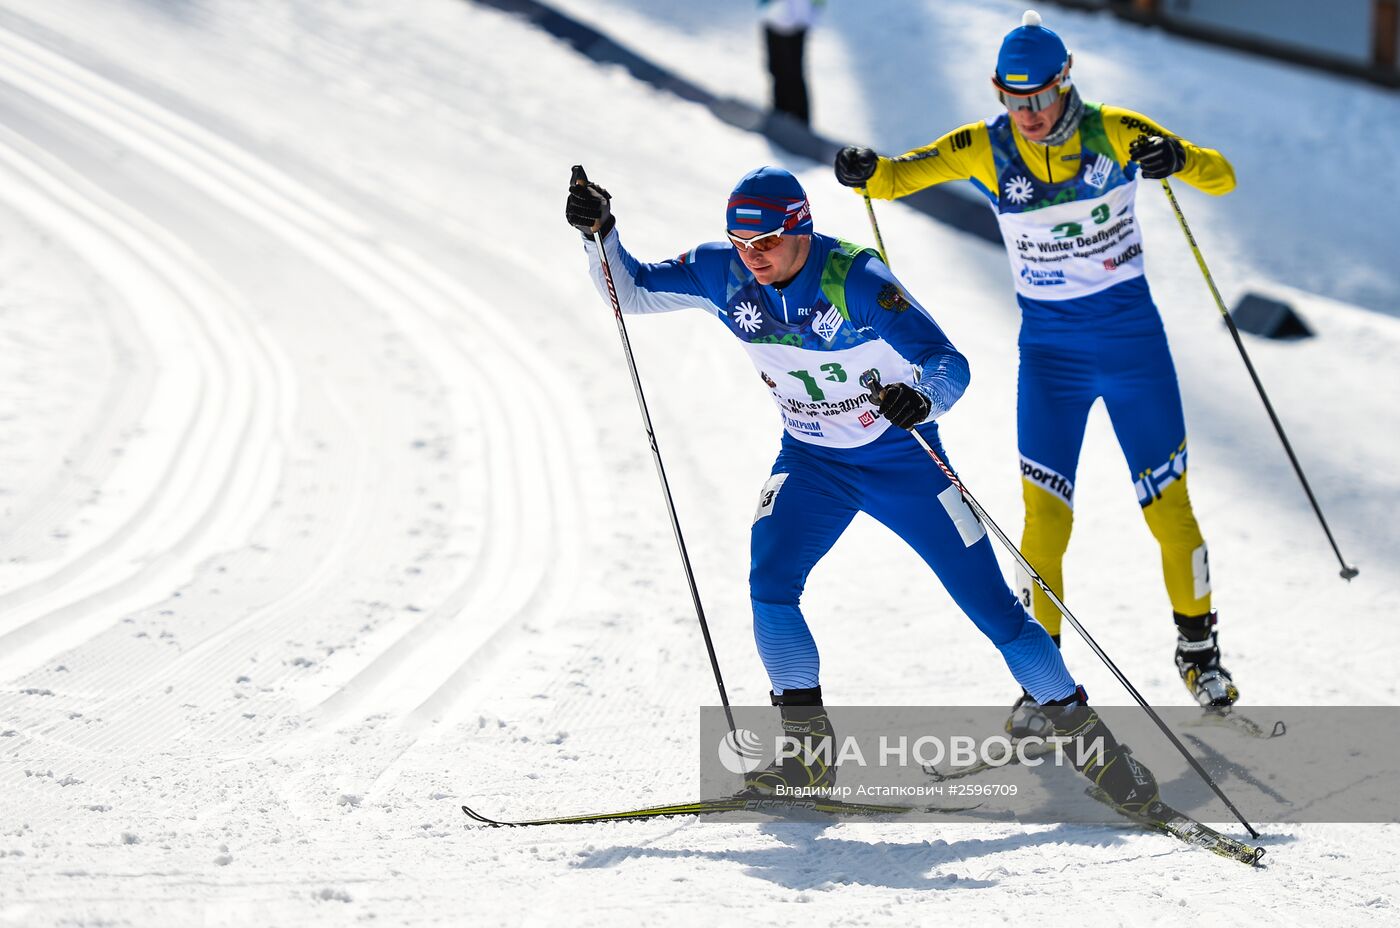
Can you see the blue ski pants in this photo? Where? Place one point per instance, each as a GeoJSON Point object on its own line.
{"type": "Point", "coordinates": [811, 497]}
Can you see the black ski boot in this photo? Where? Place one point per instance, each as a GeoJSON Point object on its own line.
{"type": "Point", "coordinates": [1128, 784]}
{"type": "Point", "coordinates": [813, 768]}
{"type": "Point", "coordinates": [1198, 661]}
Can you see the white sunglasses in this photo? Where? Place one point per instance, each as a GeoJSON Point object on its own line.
{"type": "Point", "coordinates": [765, 242]}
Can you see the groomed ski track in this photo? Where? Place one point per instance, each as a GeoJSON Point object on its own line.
{"type": "Point", "coordinates": [324, 505]}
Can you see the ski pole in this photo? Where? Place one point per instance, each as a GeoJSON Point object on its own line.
{"type": "Point", "coordinates": [875, 227]}
{"type": "Point", "coordinates": [871, 381]}
{"type": "Point", "coordinates": [1347, 571]}
{"type": "Point", "coordinates": [580, 178]}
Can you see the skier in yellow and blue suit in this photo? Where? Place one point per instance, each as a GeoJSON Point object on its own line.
{"type": "Point", "coordinates": [1061, 174]}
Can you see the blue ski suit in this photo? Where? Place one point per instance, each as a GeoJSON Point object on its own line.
{"type": "Point", "coordinates": [843, 314]}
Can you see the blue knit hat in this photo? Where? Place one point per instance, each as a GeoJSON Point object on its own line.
{"type": "Point", "coordinates": [769, 198]}
{"type": "Point", "coordinates": [1031, 56]}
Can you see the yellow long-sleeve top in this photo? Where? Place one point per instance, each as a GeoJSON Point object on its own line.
{"type": "Point", "coordinates": [966, 154]}
{"type": "Point", "coordinates": [1067, 211]}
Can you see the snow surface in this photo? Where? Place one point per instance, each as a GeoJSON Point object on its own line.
{"type": "Point", "coordinates": [325, 507]}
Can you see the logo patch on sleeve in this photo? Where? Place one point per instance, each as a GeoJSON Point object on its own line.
{"type": "Point", "coordinates": [892, 298]}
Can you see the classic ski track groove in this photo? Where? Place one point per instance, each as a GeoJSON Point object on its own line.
{"type": "Point", "coordinates": [174, 525]}
{"type": "Point", "coordinates": [206, 162]}
{"type": "Point", "coordinates": [29, 527]}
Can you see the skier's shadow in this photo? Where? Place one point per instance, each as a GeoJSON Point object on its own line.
{"type": "Point", "coordinates": [808, 859]}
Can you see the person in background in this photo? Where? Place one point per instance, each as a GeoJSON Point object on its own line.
{"type": "Point", "coordinates": [1061, 174]}
{"type": "Point", "coordinates": [785, 25]}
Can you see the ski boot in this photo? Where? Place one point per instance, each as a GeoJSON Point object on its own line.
{"type": "Point", "coordinates": [813, 768]}
{"type": "Point", "coordinates": [1028, 719]}
{"type": "Point", "coordinates": [1126, 783]}
{"type": "Point", "coordinates": [1198, 661]}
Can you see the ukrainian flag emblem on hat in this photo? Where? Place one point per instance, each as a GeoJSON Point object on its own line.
{"type": "Point", "coordinates": [1031, 55]}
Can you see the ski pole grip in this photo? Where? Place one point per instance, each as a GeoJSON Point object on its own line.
{"type": "Point", "coordinates": [577, 177]}
{"type": "Point", "coordinates": [871, 381]}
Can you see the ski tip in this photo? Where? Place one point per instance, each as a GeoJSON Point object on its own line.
{"type": "Point", "coordinates": [477, 817]}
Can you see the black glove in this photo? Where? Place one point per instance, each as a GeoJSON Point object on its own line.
{"type": "Point", "coordinates": [855, 166]}
{"type": "Point", "coordinates": [1159, 156]}
{"type": "Point", "coordinates": [902, 405]}
{"type": "Point", "coordinates": [589, 208]}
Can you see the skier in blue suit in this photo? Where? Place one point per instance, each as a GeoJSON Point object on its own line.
{"type": "Point", "coordinates": [815, 313]}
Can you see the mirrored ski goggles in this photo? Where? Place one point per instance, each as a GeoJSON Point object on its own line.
{"type": "Point", "coordinates": [765, 242]}
{"type": "Point", "coordinates": [1033, 100]}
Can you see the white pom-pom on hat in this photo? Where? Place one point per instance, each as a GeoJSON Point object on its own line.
{"type": "Point", "coordinates": [1030, 18]}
